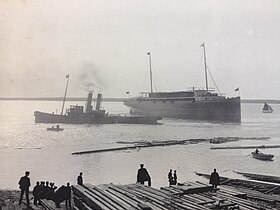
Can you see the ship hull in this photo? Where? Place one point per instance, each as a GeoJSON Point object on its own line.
{"type": "Point", "coordinates": [89, 118]}
{"type": "Point", "coordinates": [226, 110]}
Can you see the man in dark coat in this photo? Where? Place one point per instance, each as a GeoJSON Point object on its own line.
{"type": "Point", "coordinates": [68, 196]}
{"type": "Point", "coordinates": [170, 177]}
{"type": "Point", "coordinates": [59, 195]}
{"type": "Point", "coordinates": [175, 177]}
{"type": "Point", "coordinates": [24, 184]}
{"type": "Point", "coordinates": [80, 179]}
{"type": "Point", "coordinates": [214, 179]}
{"type": "Point", "coordinates": [143, 175]}
{"type": "Point", "coordinates": [35, 193]}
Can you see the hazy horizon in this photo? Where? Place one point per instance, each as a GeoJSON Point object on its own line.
{"type": "Point", "coordinates": [103, 45]}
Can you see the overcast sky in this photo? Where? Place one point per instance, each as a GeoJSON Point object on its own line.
{"type": "Point", "coordinates": [103, 45]}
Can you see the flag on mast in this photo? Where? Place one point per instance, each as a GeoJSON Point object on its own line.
{"type": "Point", "coordinates": [202, 45]}
{"type": "Point", "coordinates": [237, 89]}
{"type": "Point", "coordinates": [67, 76]}
{"type": "Point", "coordinates": [148, 53]}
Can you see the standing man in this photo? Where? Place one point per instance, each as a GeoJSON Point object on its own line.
{"type": "Point", "coordinates": [170, 177]}
{"type": "Point", "coordinates": [24, 184]}
{"type": "Point", "coordinates": [214, 179]}
{"type": "Point", "coordinates": [80, 179]}
{"type": "Point", "coordinates": [143, 175]}
{"type": "Point", "coordinates": [68, 196]}
{"type": "Point", "coordinates": [35, 192]}
{"type": "Point", "coordinates": [175, 177]}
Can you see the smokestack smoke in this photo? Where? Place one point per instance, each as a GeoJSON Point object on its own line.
{"type": "Point", "coordinates": [92, 78]}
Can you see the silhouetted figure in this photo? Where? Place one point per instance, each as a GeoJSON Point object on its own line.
{"type": "Point", "coordinates": [175, 177]}
{"type": "Point", "coordinates": [170, 177]}
{"type": "Point", "coordinates": [80, 179]}
{"type": "Point", "coordinates": [48, 191]}
{"type": "Point", "coordinates": [57, 126]}
{"type": "Point", "coordinates": [42, 191]}
{"type": "Point", "coordinates": [214, 179]}
{"type": "Point", "coordinates": [50, 194]}
{"type": "Point", "coordinates": [143, 175]}
{"type": "Point", "coordinates": [59, 195]}
{"type": "Point", "coordinates": [68, 196]}
{"type": "Point", "coordinates": [24, 184]}
{"type": "Point", "coordinates": [35, 193]}
{"type": "Point", "coordinates": [257, 151]}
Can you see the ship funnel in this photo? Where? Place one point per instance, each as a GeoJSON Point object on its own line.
{"type": "Point", "coordinates": [98, 101]}
{"type": "Point", "coordinates": [89, 100]}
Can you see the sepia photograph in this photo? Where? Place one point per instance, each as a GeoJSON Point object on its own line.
{"type": "Point", "coordinates": [139, 104]}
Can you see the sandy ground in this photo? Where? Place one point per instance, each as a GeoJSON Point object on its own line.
{"type": "Point", "coordinates": [9, 199]}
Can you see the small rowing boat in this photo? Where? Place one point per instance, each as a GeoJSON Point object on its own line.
{"type": "Point", "coordinates": [55, 129]}
{"type": "Point", "coordinates": [262, 156]}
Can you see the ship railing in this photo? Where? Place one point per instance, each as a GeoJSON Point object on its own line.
{"type": "Point", "coordinates": [210, 89]}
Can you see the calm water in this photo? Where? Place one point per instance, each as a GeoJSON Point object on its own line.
{"type": "Point", "coordinates": [25, 145]}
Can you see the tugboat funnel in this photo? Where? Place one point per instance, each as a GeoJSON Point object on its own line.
{"type": "Point", "coordinates": [89, 100]}
{"type": "Point", "coordinates": [98, 101]}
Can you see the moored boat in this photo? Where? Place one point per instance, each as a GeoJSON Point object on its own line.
{"type": "Point", "coordinates": [194, 104]}
{"type": "Point", "coordinates": [261, 156]}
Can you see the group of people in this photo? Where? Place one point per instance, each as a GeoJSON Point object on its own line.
{"type": "Point", "coordinates": [46, 190]}
{"type": "Point", "coordinates": [143, 176]}
{"type": "Point", "coordinates": [172, 178]}
{"type": "Point", "coordinates": [43, 190]}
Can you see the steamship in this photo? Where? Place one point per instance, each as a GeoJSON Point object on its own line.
{"type": "Point", "coordinates": [193, 104]}
{"type": "Point", "coordinates": [77, 115]}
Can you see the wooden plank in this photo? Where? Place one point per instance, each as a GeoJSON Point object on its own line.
{"type": "Point", "coordinates": [131, 196]}
{"type": "Point", "coordinates": [131, 202]}
{"type": "Point", "coordinates": [248, 147]}
{"type": "Point", "coordinates": [241, 202]}
{"type": "Point", "coordinates": [87, 198]}
{"type": "Point", "coordinates": [163, 198]}
{"type": "Point", "coordinates": [106, 197]}
{"type": "Point", "coordinates": [260, 177]}
{"type": "Point", "coordinates": [80, 204]}
{"type": "Point", "coordinates": [140, 194]}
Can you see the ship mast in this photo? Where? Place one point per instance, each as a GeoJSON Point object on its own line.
{"type": "Point", "coordinates": [67, 76]}
{"type": "Point", "coordinates": [151, 76]}
{"type": "Point", "coordinates": [205, 66]}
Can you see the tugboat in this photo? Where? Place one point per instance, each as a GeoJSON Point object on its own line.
{"type": "Point", "coordinates": [194, 104]}
{"type": "Point", "coordinates": [77, 115]}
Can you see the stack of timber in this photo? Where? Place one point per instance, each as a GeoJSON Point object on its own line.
{"type": "Point", "coordinates": [220, 140]}
{"type": "Point", "coordinates": [189, 195]}
{"type": "Point", "coordinates": [145, 144]}
{"type": "Point", "coordinates": [267, 193]}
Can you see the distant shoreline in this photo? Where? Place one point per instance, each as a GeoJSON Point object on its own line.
{"type": "Point", "coordinates": [271, 101]}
